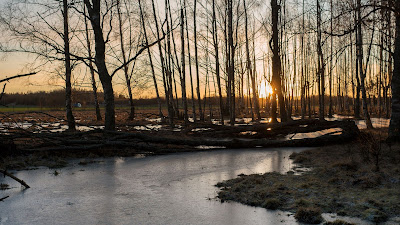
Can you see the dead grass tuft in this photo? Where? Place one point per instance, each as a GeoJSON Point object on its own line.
{"type": "Point", "coordinates": [309, 215]}
{"type": "Point", "coordinates": [4, 186]}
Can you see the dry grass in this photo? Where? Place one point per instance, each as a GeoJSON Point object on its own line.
{"type": "Point", "coordinates": [4, 186]}
{"type": "Point", "coordinates": [309, 215]}
{"type": "Point", "coordinates": [344, 181]}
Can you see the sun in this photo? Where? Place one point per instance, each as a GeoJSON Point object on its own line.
{"type": "Point", "coordinates": [265, 89]}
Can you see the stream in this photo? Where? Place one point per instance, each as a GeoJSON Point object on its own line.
{"type": "Point", "coordinates": [169, 189]}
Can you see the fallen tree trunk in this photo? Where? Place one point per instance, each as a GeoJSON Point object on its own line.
{"type": "Point", "coordinates": [2, 199]}
{"type": "Point", "coordinates": [15, 178]}
{"type": "Point", "coordinates": [266, 130]}
{"type": "Point", "coordinates": [276, 136]}
{"type": "Point", "coordinates": [349, 132]}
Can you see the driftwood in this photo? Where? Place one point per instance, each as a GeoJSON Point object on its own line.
{"type": "Point", "coordinates": [15, 178]}
{"type": "Point", "coordinates": [2, 199]}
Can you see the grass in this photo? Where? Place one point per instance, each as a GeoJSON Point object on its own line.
{"type": "Point", "coordinates": [343, 181]}
{"type": "Point", "coordinates": [309, 215]}
{"type": "Point", "coordinates": [4, 186]}
{"type": "Point", "coordinates": [338, 222]}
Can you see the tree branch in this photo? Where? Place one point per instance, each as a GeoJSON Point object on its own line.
{"type": "Point", "coordinates": [17, 76]}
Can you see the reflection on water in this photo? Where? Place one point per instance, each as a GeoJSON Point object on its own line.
{"type": "Point", "coordinates": [172, 189]}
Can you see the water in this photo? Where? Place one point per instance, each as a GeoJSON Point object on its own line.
{"type": "Point", "coordinates": [171, 189]}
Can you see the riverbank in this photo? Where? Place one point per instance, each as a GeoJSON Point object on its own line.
{"type": "Point", "coordinates": [359, 179]}
{"type": "Point", "coordinates": [35, 139]}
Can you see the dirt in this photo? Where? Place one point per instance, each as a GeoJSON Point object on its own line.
{"type": "Point", "coordinates": [359, 179]}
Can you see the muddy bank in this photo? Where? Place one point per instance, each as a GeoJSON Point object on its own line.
{"type": "Point", "coordinates": [34, 139]}
{"type": "Point", "coordinates": [360, 179]}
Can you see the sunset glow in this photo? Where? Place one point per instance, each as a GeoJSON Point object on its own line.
{"type": "Point", "coordinates": [265, 89]}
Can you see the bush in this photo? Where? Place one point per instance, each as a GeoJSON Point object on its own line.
{"type": "Point", "coordinates": [309, 215]}
{"type": "Point", "coordinates": [375, 215]}
{"type": "Point", "coordinates": [338, 222]}
{"type": "Point", "coordinates": [271, 203]}
{"type": "Point", "coordinates": [302, 203]}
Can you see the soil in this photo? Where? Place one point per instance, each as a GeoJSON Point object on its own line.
{"type": "Point", "coordinates": [361, 178]}
{"type": "Point", "coordinates": [37, 144]}
{"type": "Point", "coordinates": [358, 179]}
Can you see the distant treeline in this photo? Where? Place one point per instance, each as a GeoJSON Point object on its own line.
{"type": "Point", "coordinates": [57, 99]}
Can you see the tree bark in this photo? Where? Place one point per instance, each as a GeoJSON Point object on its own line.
{"type": "Point", "coordinates": [68, 70]}
{"type": "Point", "coordinates": [124, 61]}
{"type": "Point", "coordinates": [190, 65]}
{"type": "Point", "coordinates": [183, 67]}
{"type": "Point", "coordinates": [100, 61]}
{"type": "Point", "coordinates": [151, 61]}
{"type": "Point", "coordinates": [197, 60]}
{"type": "Point", "coordinates": [276, 67]}
{"type": "Point", "coordinates": [93, 80]}
{"type": "Point", "coordinates": [361, 72]}
{"type": "Point", "coordinates": [321, 66]}
{"type": "Point", "coordinates": [231, 63]}
{"type": "Point", "coordinates": [217, 70]}
{"type": "Point", "coordinates": [15, 178]}
{"type": "Point", "coordinates": [250, 72]}
{"type": "Point", "coordinates": [394, 127]}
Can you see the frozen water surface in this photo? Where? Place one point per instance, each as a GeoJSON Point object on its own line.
{"type": "Point", "coordinates": [170, 189]}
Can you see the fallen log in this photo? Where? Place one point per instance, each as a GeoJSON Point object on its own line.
{"type": "Point", "coordinates": [15, 178]}
{"type": "Point", "coordinates": [349, 132]}
{"type": "Point", "coordinates": [2, 199]}
{"type": "Point", "coordinates": [266, 130]}
{"type": "Point", "coordinates": [156, 141]}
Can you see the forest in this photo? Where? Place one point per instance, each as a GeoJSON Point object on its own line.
{"type": "Point", "coordinates": [312, 59]}
{"type": "Point", "coordinates": [153, 77]}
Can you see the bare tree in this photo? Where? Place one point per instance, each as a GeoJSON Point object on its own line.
{"type": "Point", "coordinates": [94, 10]}
{"type": "Point", "coordinates": [91, 69]}
{"type": "Point", "coordinates": [276, 67]}
{"type": "Point", "coordinates": [394, 127]}
{"type": "Point", "coordinates": [151, 61]}
{"type": "Point", "coordinates": [68, 70]}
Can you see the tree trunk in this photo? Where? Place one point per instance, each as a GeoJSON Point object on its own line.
{"type": "Point", "coordinates": [217, 70]}
{"type": "Point", "coordinates": [321, 66]}
{"type": "Point", "coordinates": [93, 80]}
{"type": "Point", "coordinates": [197, 60]}
{"type": "Point", "coordinates": [183, 73]}
{"type": "Point", "coordinates": [68, 70]}
{"type": "Point", "coordinates": [361, 72]}
{"type": "Point", "coordinates": [357, 89]}
{"type": "Point", "coordinates": [394, 127]}
{"type": "Point", "coordinates": [331, 66]}
{"type": "Point", "coordinates": [231, 63]}
{"type": "Point", "coordinates": [276, 67]}
{"type": "Point", "coordinates": [151, 61]}
{"type": "Point", "coordinates": [105, 78]}
{"type": "Point", "coordinates": [190, 66]}
{"type": "Point", "coordinates": [127, 77]}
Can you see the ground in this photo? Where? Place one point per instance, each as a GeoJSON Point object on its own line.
{"type": "Point", "coordinates": [366, 172]}
{"type": "Point", "coordinates": [358, 179]}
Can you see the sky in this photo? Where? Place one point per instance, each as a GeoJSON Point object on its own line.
{"type": "Point", "coordinates": [16, 63]}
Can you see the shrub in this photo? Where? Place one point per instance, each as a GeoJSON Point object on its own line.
{"type": "Point", "coordinates": [375, 215]}
{"type": "Point", "coordinates": [271, 203]}
{"type": "Point", "coordinates": [309, 215]}
{"type": "Point", "coordinates": [338, 222]}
